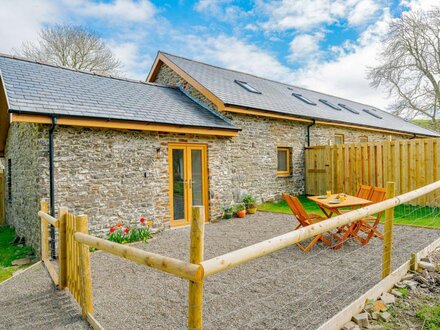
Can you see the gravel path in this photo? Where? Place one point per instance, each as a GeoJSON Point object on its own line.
{"type": "Point", "coordinates": [30, 301]}
{"type": "Point", "coordinates": [285, 290]}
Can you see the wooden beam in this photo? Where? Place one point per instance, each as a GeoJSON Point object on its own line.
{"type": "Point", "coordinates": [166, 264]}
{"type": "Point", "coordinates": [51, 220]}
{"type": "Point", "coordinates": [84, 268]}
{"type": "Point", "coordinates": [235, 258]}
{"type": "Point", "coordinates": [52, 272]}
{"type": "Point", "coordinates": [44, 237]}
{"type": "Point", "coordinates": [195, 296]}
{"type": "Point", "coordinates": [94, 323]}
{"type": "Point", "coordinates": [260, 113]}
{"type": "Point", "coordinates": [267, 114]}
{"type": "Point", "coordinates": [118, 124]}
{"type": "Point", "coordinates": [162, 58]}
{"type": "Point", "coordinates": [62, 246]}
{"type": "Point", "coordinates": [388, 233]}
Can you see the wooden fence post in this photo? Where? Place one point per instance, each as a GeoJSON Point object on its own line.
{"type": "Point", "coordinates": [413, 265]}
{"type": "Point", "coordinates": [62, 247]}
{"type": "Point", "coordinates": [84, 269]}
{"type": "Point", "coordinates": [195, 298]}
{"type": "Point", "coordinates": [388, 233]}
{"type": "Point", "coordinates": [44, 246]}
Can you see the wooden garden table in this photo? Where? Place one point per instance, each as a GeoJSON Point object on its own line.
{"type": "Point", "coordinates": [329, 209]}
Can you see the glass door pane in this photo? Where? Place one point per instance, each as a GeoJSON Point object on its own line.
{"type": "Point", "coordinates": [178, 184]}
{"type": "Point", "coordinates": [197, 177]}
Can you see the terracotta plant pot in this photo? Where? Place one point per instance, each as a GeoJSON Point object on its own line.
{"type": "Point", "coordinates": [241, 214]}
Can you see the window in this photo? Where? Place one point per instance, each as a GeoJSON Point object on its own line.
{"type": "Point", "coordinates": [370, 112]}
{"type": "Point", "coordinates": [9, 182]}
{"type": "Point", "coordinates": [363, 139]}
{"type": "Point", "coordinates": [346, 107]}
{"type": "Point", "coordinates": [339, 138]}
{"type": "Point", "coordinates": [329, 104]}
{"type": "Point", "coordinates": [303, 98]}
{"type": "Point", "coordinates": [247, 87]}
{"type": "Point", "coordinates": [283, 161]}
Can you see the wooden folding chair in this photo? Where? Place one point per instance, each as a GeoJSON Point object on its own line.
{"type": "Point", "coordinates": [305, 219]}
{"type": "Point", "coordinates": [377, 195]}
{"type": "Point", "coordinates": [364, 192]}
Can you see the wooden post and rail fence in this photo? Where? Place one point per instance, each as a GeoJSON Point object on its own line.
{"type": "Point", "coordinates": [75, 269]}
{"type": "Point", "coordinates": [411, 164]}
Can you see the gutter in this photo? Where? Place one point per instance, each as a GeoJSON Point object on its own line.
{"type": "Point", "coordinates": [52, 185]}
{"type": "Point", "coordinates": [413, 137]}
{"type": "Point", "coordinates": [308, 131]}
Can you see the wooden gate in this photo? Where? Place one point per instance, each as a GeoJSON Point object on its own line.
{"type": "Point", "coordinates": [317, 170]}
{"type": "Point", "coordinates": [411, 164]}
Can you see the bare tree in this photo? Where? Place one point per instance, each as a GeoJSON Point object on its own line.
{"type": "Point", "coordinates": [71, 46]}
{"type": "Point", "coordinates": [410, 65]}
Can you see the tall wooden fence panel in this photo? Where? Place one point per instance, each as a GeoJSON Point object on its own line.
{"type": "Point", "coordinates": [411, 164]}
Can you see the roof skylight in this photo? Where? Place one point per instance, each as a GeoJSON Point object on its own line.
{"type": "Point", "coordinates": [248, 87]}
{"type": "Point", "coordinates": [303, 98]}
{"type": "Point", "coordinates": [372, 113]}
{"type": "Point", "coordinates": [329, 104]}
{"type": "Point", "coordinates": [346, 107]}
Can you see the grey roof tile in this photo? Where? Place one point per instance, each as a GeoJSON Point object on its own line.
{"type": "Point", "coordinates": [45, 89]}
{"type": "Point", "coordinates": [277, 97]}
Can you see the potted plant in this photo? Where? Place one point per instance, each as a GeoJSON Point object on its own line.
{"type": "Point", "coordinates": [251, 205]}
{"type": "Point", "coordinates": [228, 211]}
{"type": "Point", "coordinates": [240, 211]}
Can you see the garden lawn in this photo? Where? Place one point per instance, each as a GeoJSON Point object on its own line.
{"type": "Point", "coordinates": [10, 252]}
{"type": "Point", "coordinates": [403, 214]}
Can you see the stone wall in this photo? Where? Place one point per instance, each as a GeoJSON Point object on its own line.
{"type": "Point", "coordinates": [323, 134]}
{"type": "Point", "coordinates": [27, 148]}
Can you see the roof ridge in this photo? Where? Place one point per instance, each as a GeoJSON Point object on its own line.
{"type": "Point", "coordinates": [20, 58]}
{"type": "Point", "coordinates": [272, 80]}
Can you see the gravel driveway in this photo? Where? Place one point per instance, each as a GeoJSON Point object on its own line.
{"type": "Point", "coordinates": [285, 290]}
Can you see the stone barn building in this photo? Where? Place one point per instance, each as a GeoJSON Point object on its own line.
{"type": "Point", "coordinates": [192, 134]}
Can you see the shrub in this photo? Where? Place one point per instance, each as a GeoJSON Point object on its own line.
{"type": "Point", "coordinates": [127, 234]}
{"type": "Point", "coordinates": [239, 207]}
{"type": "Point", "coordinates": [249, 199]}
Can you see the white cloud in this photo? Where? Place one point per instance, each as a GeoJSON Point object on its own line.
{"type": "Point", "coordinates": [345, 76]}
{"type": "Point", "coordinates": [362, 12]}
{"type": "Point", "coordinates": [134, 65]}
{"type": "Point", "coordinates": [306, 15]}
{"type": "Point", "coordinates": [20, 20]}
{"type": "Point", "coordinates": [238, 55]}
{"type": "Point", "coordinates": [116, 10]}
{"type": "Point", "coordinates": [305, 47]}
{"type": "Point", "coordinates": [212, 7]}
{"type": "Point", "coordinates": [420, 4]}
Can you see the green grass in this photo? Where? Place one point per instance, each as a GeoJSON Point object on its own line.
{"type": "Point", "coordinates": [430, 316]}
{"type": "Point", "coordinates": [10, 252]}
{"type": "Point", "coordinates": [403, 214]}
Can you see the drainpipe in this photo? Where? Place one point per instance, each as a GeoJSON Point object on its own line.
{"type": "Point", "coordinates": [52, 186]}
{"type": "Point", "coordinates": [308, 132]}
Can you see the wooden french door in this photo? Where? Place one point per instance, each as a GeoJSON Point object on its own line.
{"type": "Point", "coordinates": [188, 181]}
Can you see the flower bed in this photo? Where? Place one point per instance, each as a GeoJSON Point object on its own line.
{"type": "Point", "coordinates": [123, 234]}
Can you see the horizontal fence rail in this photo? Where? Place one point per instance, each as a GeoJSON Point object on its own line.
{"type": "Point", "coordinates": [170, 265]}
{"type": "Point", "coordinates": [235, 258]}
{"type": "Point", "coordinates": [411, 164]}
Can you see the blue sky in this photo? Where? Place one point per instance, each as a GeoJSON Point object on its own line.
{"type": "Point", "coordinates": [320, 44]}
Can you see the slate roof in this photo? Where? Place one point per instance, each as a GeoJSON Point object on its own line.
{"type": "Point", "coordinates": [277, 97]}
{"type": "Point", "coordinates": [37, 88]}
